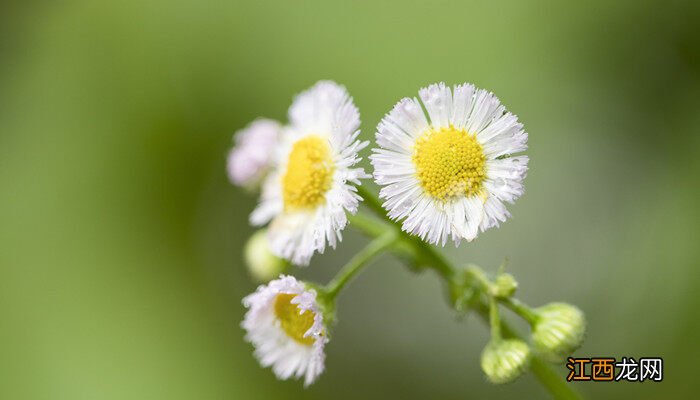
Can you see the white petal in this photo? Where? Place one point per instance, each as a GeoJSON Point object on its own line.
{"type": "Point", "coordinates": [462, 104]}
{"type": "Point", "coordinates": [406, 118]}
{"type": "Point", "coordinates": [505, 177]}
{"type": "Point", "coordinates": [326, 108]}
{"type": "Point", "coordinates": [437, 99]}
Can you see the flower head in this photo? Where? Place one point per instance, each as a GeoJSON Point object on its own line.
{"type": "Point", "coordinates": [449, 173]}
{"type": "Point", "coordinates": [285, 324]}
{"type": "Point", "coordinates": [307, 195]}
{"type": "Point", "coordinates": [250, 158]}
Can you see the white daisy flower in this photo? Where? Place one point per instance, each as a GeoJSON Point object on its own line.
{"type": "Point", "coordinates": [450, 172]}
{"type": "Point", "coordinates": [250, 158]}
{"type": "Point", "coordinates": [285, 324]}
{"type": "Point", "coordinates": [307, 195]}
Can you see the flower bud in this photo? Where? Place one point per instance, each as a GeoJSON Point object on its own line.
{"type": "Point", "coordinates": [504, 286]}
{"type": "Point", "coordinates": [251, 157]}
{"type": "Point", "coordinates": [559, 330]}
{"type": "Point", "coordinates": [504, 360]}
{"type": "Point", "coordinates": [262, 264]}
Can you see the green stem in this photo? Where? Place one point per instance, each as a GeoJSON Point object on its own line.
{"type": "Point", "coordinates": [368, 225]}
{"type": "Point", "coordinates": [360, 260]}
{"type": "Point", "coordinates": [427, 255]}
{"type": "Point", "coordinates": [494, 320]}
{"type": "Point", "coordinates": [522, 309]}
{"type": "Point", "coordinates": [371, 201]}
{"type": "Point", "coordinates": [556, 385]}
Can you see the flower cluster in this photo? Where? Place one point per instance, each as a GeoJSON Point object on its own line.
{"type": "Point", "coordinates": [447, 165]}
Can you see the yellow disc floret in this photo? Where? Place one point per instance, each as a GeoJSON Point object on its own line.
{"type": "Point", "coordinates": [309, 174]}
{"type": "Point", "coordinates": [449, 162]}
{"type": "Point", "coordinates": [294, 324]}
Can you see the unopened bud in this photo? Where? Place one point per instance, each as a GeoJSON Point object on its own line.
{"type": "Point", "coordinates": [262, 264]}
{"type": "Point", "coordinates": [504, 286]}
{"type": "Point", "coordinates": [250, 159]}
{"type": "Point", "coordinates": [559, 330]}
{"type": "Point", "coordinates": [504, 360]}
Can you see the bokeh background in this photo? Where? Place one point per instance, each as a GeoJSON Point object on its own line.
{"type": "Point", "coordinates": [121, 272]}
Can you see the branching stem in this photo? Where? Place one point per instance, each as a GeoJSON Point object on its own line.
{"type": "Point", "coordinates": [425, 256]}
{"type": "Point", "coordinates": [358, 262]}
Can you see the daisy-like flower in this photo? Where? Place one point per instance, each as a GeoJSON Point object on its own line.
{"type": "Point", "coordinates": [307, 195]}
{"type": "Point", "coordinates": [285, 324]}
{"type": "Point", "coordinates": [450, 172]}
{"type": "Point", "coordinates": [250, 158]}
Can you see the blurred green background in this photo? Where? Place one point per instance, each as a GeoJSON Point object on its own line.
{"type": "Point", "coordinates": [121, 272]}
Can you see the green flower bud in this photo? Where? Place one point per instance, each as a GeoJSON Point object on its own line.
{"type": "Point", "coordinates": [559, 330]}
{"type": "Point", "coordinates": [504, 286]}
{"type": "Point", "coordinates": [262, 264]}
{"type": "Point", "coordinates": [504, 360]}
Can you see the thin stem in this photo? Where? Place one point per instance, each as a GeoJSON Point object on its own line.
{"type": "Point", "coordinates": [373, 227]}
{"type": "Point", "coordinates": [554, 382]}
{"type": "Point", "coordinates": [494, 320]}
{"type": "Point", "coordinates": [369, 225]}
{"type": "Point", "coordinates": [371, 201]}
{"type": "Point", "coordinates": [522, 309]}
{"type": "Point", "coordinates": [359, 261]}
{"type": "Point", "coordinates": [424, 253]}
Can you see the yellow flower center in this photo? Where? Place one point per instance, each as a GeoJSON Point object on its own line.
{"type": "Point", "coordinates": [294, 324]}
{"type": "Point", "coordinates": [309, 174]}
{"type": "Point", "coordinates": [449, 162]}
